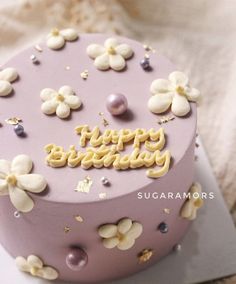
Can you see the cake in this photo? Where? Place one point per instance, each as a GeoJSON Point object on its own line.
{"type": "Point", "coordinates": [97, 157]}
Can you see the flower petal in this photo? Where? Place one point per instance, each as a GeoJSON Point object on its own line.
{"type": "Point", "coordinates": [63, 110]}
{"type": "Point", "coordinates": [5, 168]}
{"type": "Point", "coordinates": [32, 182]}
{"type": "Point", "coordinates": [95, 50]}
{"type": "Point", "coordinates": [126, 243]}
{"type": "Point", "coordinates": [111, 42]}
{"type": "Point", "coordinates": [21, 201]}
{"type": "Point", "coordinates": [124, 50]}
{"type": "Point", "coordinates": [49, 107]}
{"type": "Point", "coordinates": [56, 42]}
{"type": "Point", "coordinates": [22, 264]}
{"type": "Point", "coordinates": [178, 78]}
{"type": "Point", "coordinates": [159, 103]}
{"type": "Point", "coordinates": [117, 62]}
{"type": "Point", "coordinates": [48, 273]}
{"type": "Point", "coordinates": [180, 105]}
{"type": "Point", "coordinates": [110, 242]}
{"type": "Point", "coordinates": [73, 102]}
{"type": "Point", "coordinates": [193, 94]}
{"type": "Point", "coordinates": [9, 74]}
{"type": "Point", "coordinates": [66, 91]}
{"type": "Point", "coordinates": [5, 88]}
{"type": "Point", "coordinates": [48, 94]}
{"type": "Point", "coordinates": [69, 34]}
{"type": "Point", "coordinates": [102, 62]}
{"type": "Point", "coordinates": [21, 165]}
{"type": "Point", "coordinates": [34, 261]}
{"type": "Point", "coordinates": [135, 231]}
{"type": "Point", "coordinates": [3, 187]}
{"type": "Point", "coordinates": [107, 231]}
{"type": "Point", "coordinates": [124, 225]}
{"type": "Point", "coordinates": [160, 86]}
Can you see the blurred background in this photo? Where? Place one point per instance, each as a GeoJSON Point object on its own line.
{"type": "Point", "coordinates": [198, 36]}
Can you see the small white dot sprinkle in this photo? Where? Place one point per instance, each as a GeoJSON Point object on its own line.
{"type": "Point", "coordinates": [34, 59]}
{"type": "Point", "coordinates": [104, 181]}
{"type": "Point", "coordinates": [177, 247]}
{"type": "Point", "coordinates": [17, 214]}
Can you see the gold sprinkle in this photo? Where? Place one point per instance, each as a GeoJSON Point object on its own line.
{"type": "Point", "coordinates": [84, 185]}
{"type": "Point", "coordinates": [146, 56]}
{"type": "Point", "coordinates": [145, 255]}
{"type": "Point", "coordinates": [13, 120]}
{"type": "Point", "coordinates": [67, 229]}
{"type": "Point", "coordinates": [166, 210]}
{"type": "Point", "coordinates": [84, 74]}
{"type": "Point", "coordinates": [38, 48]}
{"type": "Point", "coordinates": [149, 48]}
{"type": "Point", "coordinates": [79, 218]}
{"type": "Point", "coordinates": [104, 120]}
{"type": "Point", "coordinates": [165, 119]}
{"type": "Point", "coordinates": [102, 195]}
{"type": "Point", "coordinates": [67, 67]}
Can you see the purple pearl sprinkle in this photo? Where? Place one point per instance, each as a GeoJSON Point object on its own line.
{"type": "Point", "coordinates": [76, 259]}
{"type": "Point", "coordinates": [117, 104]}
{"type": "Point", "coordinates": [145, 63]}
{"type": "Point", "coordinates": [19, 130]}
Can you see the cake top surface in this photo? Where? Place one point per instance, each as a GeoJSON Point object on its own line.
{"type": "Point", "coordinates": [57, 68]}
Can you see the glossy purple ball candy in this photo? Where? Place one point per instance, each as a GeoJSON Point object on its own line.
{"type": "Point", "coordinates": [19, 129]}
{"type": "Point", "coordinates": [145, 63]}
{"type": "Point", "coordinates": [76, 259]}
{"type": "Point", "coordinates": [117, 104]}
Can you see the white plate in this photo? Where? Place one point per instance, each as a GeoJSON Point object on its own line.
{"type": "Point", "coordinates": [208, 250]}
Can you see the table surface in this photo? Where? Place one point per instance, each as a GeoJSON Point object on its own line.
{"type": "Point", "coordinates": [208, 250]}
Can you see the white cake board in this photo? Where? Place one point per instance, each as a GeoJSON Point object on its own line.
{"type": "Point", "coordinates": [208, 250]}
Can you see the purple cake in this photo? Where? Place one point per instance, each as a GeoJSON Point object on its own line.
{"type": "Point", "coordinates": [97, 157]}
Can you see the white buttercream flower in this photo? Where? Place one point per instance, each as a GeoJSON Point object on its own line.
{"type": "Point", "coordinates": [15, 180]}
{"type": "Point", "coordinates": [34, 266]}
{"type": "Point", "coordinates": [60, 102]}
{"type": "Point", "coordinates": [190, 207]}
{"type": "Point", "coordinates": [7, 76]}
{"type": "Point", "coordinates": [111, 55]}
{"type": "Point", "coordinates": [175, 92]}
{"type": "Point", "coordinates": [57, 38]}
{"type": "Point", "coordinates": [122, 236]}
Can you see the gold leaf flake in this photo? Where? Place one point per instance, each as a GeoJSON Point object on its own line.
{"type": "Point", "coordinates": [104, 120]}
{"type": "Point", "coordinates": [79, 218]}
{"type": "Point", "coordinates": [66, 229]}
{"type": "Point", "coordinates": [165, 119]}
{"type": "Point", "coordinates": [102, 195]}
{"type": "Point", "coordinates": [13, 120]}
{"type": "Point", "coordinates": [38, 48]}
{"type": "Point", "coordinates": [84, 185]}
{"type": "Point", "coordinates": [149, 48]}
{"type": "Point", "coordinates": [145, 255]}
{"type": "Point", "coordinates": [84, 74]}
{"type": "Point", "coordinates": [166, 210]}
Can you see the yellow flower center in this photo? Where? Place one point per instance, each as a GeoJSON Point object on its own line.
{"type": "Point", "coordinates": [198, 202]}
{"type": "Point", "coordinates": [180, 90]}
{"type": "Point", "coordinates": [11, 179]}
{"type": "Point", "coordinates": [55, 32]}
{"type": "Point", "coordinates": [111, 50]}
{"type": "Point", "coordinates": [120, 236]}
{"type": "Point", "coordinates": [34, 271]}
{"type": "Point", "coordinates": [60, 98]}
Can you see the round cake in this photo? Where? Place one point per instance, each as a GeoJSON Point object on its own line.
{"type": "Point", "coordinates": [97, 139]}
